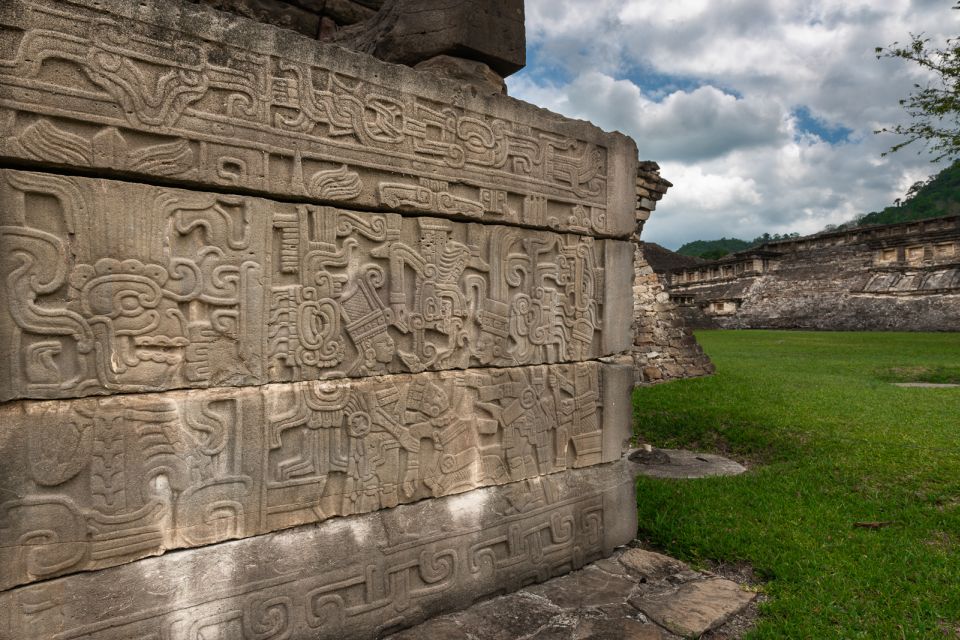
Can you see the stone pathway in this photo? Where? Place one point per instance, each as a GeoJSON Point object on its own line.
{"type": "Point", "coordinates": [926, 385]}
{"type": "Point", "coordinates": [683, 464]}
{"type": "Point", "coordinates": [634, 595]}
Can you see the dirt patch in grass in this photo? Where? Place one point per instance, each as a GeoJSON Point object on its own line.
{"type": "Point", "coordinates": [931, 375]}
{"type": "Point", "coordinates": [942, 540]}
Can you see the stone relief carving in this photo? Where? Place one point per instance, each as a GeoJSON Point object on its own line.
{"type": "Point", "coordinates": [345, 579]}
{"type": "Point", "coordinates": [213, 367]}
{"type": "Point", "coordinates": [117, 287]}
{"type": "Point", "coordinates": [96, 482]}
{"type": "Point", "coordinates": [87, 88]}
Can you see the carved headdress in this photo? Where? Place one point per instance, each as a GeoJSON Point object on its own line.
{"type": "Point", "coordinates": [365, 314]}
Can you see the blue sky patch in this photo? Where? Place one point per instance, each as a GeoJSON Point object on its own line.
{"type": "Point", "coordinates": [810, 124]}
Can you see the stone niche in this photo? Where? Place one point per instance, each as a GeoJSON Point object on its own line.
{"type": "Point", "coordinates": [339, 343]}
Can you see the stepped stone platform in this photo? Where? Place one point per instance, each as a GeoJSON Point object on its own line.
{"type": "Point", "coordinates": [895, 277]}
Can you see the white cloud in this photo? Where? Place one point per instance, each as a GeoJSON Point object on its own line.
{"type": "Point", "coordinates": [708, 89]}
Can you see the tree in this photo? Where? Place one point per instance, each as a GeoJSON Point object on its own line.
{"type": "Point", "coordinates": [935, 107]}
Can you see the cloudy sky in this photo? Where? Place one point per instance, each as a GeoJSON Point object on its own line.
{"type": "Point", "coordinates": [761, 112]}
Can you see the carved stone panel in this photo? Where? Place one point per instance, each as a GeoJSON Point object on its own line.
{"type": "Point", "coordinates": [345, 579]}
{"type": "Point", "coordinates": [116, 287]}
{"type": "Point", "coordinates": [181, 93]}
{"type": "Point", "coordinates": [95, 482]}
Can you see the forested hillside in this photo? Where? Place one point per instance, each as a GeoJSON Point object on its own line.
{"type": "Point", "coordinates": [938, 196]}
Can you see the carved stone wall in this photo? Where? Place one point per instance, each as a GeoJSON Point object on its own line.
{"type": "Point", "coordinates": [341, 343]}
{"type": "Point", "coordinates": [346, 579]}
{"type": "Point", "coordinates": [198, 289]}
{"type": "Point", "coordinates": [900, 277]}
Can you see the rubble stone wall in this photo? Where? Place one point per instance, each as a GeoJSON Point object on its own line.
{"type": "Point", "coordinates": [339, 343]}
{"type": "Point", "coordinates": [902, 277]}
{"type": "Point", "coordinates": [664, 347]}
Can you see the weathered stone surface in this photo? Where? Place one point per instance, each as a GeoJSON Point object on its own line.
{"type": "Point", "coordinates": [410, 31]}
{"type": "Point", "coordinates": [339, 421]}
{"type": "Point", "coordinates": [695, 607]}
{"type": "Point", "coordinates": [476, 74]}
{"type": "Point", "coordinates": [650, 564]}
{"type": "Point", "coordinates": [118, 287]}
{"type": "Point", "coordinates": [185, 94]}
{"type": "Point", "coordinates": [683, 464]}
{"type": "Point", "coordinates": [664, 347]}
{"type": "Point", "coordinates": [590, 587]}
{"type": "Point", "coordinates": [345, 578]}
{"type": "Point", "coordinates": [97, 482]}
{"type": "Point", "coordinates": [898, 277]}
{"type": "Point", "coordinates": [277, 13]}
{"type": "Point", "coordinates": [615, 629]}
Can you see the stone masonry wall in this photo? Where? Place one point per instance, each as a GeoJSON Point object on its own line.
{"type": "Point", "coordinates": [296, 343]}
{"type": "Point", "coordinates": [903, 277]}
{"type": "Point", "coordinates": [664, 348]}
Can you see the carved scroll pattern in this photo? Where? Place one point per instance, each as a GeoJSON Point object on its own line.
{"type": "Point", "coordinates": [137, 291]}
{"type": "Point", "coordinates": [207, 109]}
{"type": "Point", "coordinates": [115, 287]}
{"type": "Point", "coordinates": [106, 480]}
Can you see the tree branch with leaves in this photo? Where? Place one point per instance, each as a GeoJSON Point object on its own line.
{"type": "Point", "coordinates": [934, 108]}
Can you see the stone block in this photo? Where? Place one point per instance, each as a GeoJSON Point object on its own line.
{"type": "Point", "coordinates": [280, 14]}
{"type": "Point", "coordinates": [618, 298]}
{"type": "Point", "coordinates": [184, 94]}
{"type": "Point", "coordinates": [617, 406]}
{"type": "Point", "coordinates": [115, 287]}
{"type": "Point", "coordinates": [476, 74]}
{"type": "Point", "coordinates": [410, 31]}
{"type": "Point", "coordinates": [95, 482]}
{"type": "Point", "coordinates": [345, 578]}
{"type": "Point", "coordinates": [695, 607]}
{"type": "Point", "coordinates": [650, 564]}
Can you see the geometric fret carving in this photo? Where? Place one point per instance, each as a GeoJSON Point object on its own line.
{"type": "Point", "coordinates": [344, 579]}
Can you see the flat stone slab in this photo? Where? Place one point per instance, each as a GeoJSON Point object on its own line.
{"type": "Point", "coordinates": [633, 595]}
{"type": "Point", "coordinates": [591, 587]}
{"type": "Point", "coordinates": [926, 385]}
{"type": "Point", "coordinates": [348, 578]}
{"type": "Point", "coordinates": [695, 607]}
{"type": "Point", "coordinates": [650, 564]}
{"type": "Point", "coordinates": [683, 464]}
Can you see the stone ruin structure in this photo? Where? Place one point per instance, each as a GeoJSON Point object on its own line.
{"type": "Point", "coordinates": [897, 277]}
{"type": "Point", "coordinates": [296, 343]}
{"type": "Point", "coordinates": [664, 348]}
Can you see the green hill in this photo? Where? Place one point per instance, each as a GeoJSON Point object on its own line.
{"type": "Point", "coordinates": [938, 196]}
{"type": "Point", "coordinates": [713, 249]}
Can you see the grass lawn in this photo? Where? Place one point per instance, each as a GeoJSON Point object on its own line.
{"type": "Point", "coordinates": [830, 442]}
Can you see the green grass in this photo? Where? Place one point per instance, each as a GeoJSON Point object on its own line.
{"type": "Point", "coordinates": [830, 443]}
{"type": "Point", "coordinates": [919, 373]}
